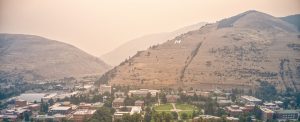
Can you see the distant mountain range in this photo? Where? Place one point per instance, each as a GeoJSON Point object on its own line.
{"type": "Point", "coordinates": [130, 48]}
{"type": "Point", "coordinates": [31, 58]}
{"type": "Point", "coordinates": [236, 52]}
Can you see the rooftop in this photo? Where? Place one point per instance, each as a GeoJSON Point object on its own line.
{"type": "Point", "coordinates": [49, 96]}
{"type": "Point", "coordinates": [266, 110]}
{"type": "Point", "coordinates": [104, 85]}
{"type": "Point", "coordinates": [288, 111]}
{"type": "Point", "coordinates": [269, 104]}
{"type": "Point", "coordinates": [232, 118]}
{"type": "Point", "coordinates": [251, 98]}
{"type": "Point", "coordinates": [176, 96]}
{"type": "Point", "coordinates": [139, 101]}
{"type": "Point", "coordinates": [84, 112]}
{"type": "Point", "coordinates": [61, 108]}
{"type": "Point", "coordinates": [119, 100]}
{"type": "Point", "coordinates": [209, 117]}
{"type": "Point", "coordinates": [133, 109]}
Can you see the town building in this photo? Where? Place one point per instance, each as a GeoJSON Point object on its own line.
{"type": "Point", "coordinates": [104, 88]}
{"type": "Point", "coordinates": [284, 115]}
{"type": "Point", "coordinates": [34, 107]}
{"type": "Point", "coordinates": [232, 119]}
{"type": "Point", "coordinates": [90, 105]}
{"type": "Point", "coordinates": [172, 98]}
{"type": "Point", "coordinates": [48, 97]}
{"type": "Point", "coordinates": [126, 110]}
{"type": "Point", "coordinates": [234, 110]}
{"type": "Point", "coordinates": [82, 114]}
{"type": "Point", "coordinates": [267, 114]}
{"type": "Point", "coordinates": [143, 92]}
{"type": "Point", "coordinates": [139, 103]}
{"type": "Point", "coordinates": [251, 100]}
{"type": "Point", "coordinates": [10, 118]}
{"type": "Point", "coordinates": [224, 102]}
{"type": "Point", "coordinates": [206, 118]}
{"type": "Point", "coordinates": [60, 110]}
{"type": "Point", "coordinates": [278, 103]}
{"type": "Point", "coordinates": [203, 94]}
{"type": "Point", "coordinates": [138, 93]}
{"type": "Point", "coordinates": [248, 108]}
{"type": "Point", "coordinates": [20, 103]}
{"type": "Point", "coordinates": [190, 93]}
{"type": "Point", "coordinates": [119, 94]}
{"type": "Point", "coordinates": [49, 118]}
{"type": "Point", "coordinates": [118, 102]}
{"type": "Point", "coordinates": [271, 106]}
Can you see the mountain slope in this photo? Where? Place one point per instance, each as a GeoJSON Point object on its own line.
{"type": "Point", "coordinates": [233, 53]}
{"type": "Point", "coordinates": [128, 49]}
{"type": "Point", "coordinates": [293, 19]}
{"type": "Point", "coordinates": [36, 58]}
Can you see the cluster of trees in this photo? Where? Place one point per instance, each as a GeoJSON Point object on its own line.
{"type": "Point", "coordinates": [130, 118]}
{"type": "Point", "coordinates": [89, 98]}
{"type": "Point", "coordinates": [16, 88]}
{"type": "Point", "coordinates": [103, 114]}
{"type": "Point", "coordinates": [164, 117]}
{"type": "Point", "coordinates": [44, 107]}
{"type": "Point", "coordinates": [266, 91]}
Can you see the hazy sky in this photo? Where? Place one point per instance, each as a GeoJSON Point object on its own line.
{"type": "Point", "coordinates": [98, 26]}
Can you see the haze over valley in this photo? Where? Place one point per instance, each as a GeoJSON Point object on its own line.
{"type": "Point", "coordinates": [149, 61]}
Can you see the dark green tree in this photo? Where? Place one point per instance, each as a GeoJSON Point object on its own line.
{"type": "Point", "coordinates": [103, 114]}
{"type": "Point", "coordinates": [184, 116]}
{"type": "Point", "coordinates": [174, 115]}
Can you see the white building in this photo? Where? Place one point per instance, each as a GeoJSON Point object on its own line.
{"type": "Point", "coordinates": [271, 106]}
{"type": "Point", "coordinates": [104, 88]}
{"type": "Point", "coordinates": [47, 97]}
{"type": "Point", "coordinates": [251, 99]}
{"type": "Point", "coordinates": [143, 92]}
{"type": "Point", "coordinates": [128, 110]}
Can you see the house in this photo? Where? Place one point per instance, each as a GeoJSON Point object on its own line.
{"type": "Point", "coordinates": [60, 110]}
{"type": "Point", "coordinates": [190, 93]}
{"type": "Point", "coordinates": [271, 106]}
{"type": "Point", "coordinates": [172, 98]}
{"type": "Point", "coordinates": [251, 100]}
{"type": "Point", "coordinates": [248, 108]}
{"type": "Point", "coordinates": [126, 110]}
{"type": "Point", "coordinates": [118, 102]}
{"type": "Point", "coordinates": [119, 94]}
{"type": "Point", "coordinates": [48, 97]}
{"type": "Point", "coordinates": [234, 110]}
{"type": "Point", "coordinates": [224, 102]}
{"type": "Point", "coordinates": [104, 88]}
{"type": "Point", "coordinates": [138, 93]}
{"type": "Point", "coordinates": [20, 103]}
{"type": "Point", "coordinates": [46, 118]}
{"type": "Point", "coordinates": [139, 103]}
{"type": "Point", "coordinates": [267, 114]}
{"type": "Point", "coordinates": [206, 118]}
{"type": "Point", "coordinates": [81, 115]}
{"type": "Point", "coordinates": [203, 94]}
{"type": "Point", "coordinates": [10, 118]}
{"type": "Point", "coordinates": [143, 92]}
{"type": "Point", "coordinates": [34, 107]}
{"type": "Point", "coordinates": [232, 119]}
{"type": "Point", "coordinates": [93, 106]}
{"type": "Point", "coordinates": [284, 115]}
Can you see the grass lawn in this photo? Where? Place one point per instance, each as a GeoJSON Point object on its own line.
{"type": "Point", "coordinates": [163, 107]}
{"type": "Point", "coordinates": [185, 107]}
